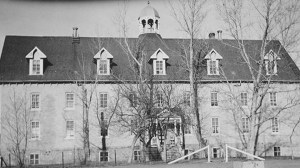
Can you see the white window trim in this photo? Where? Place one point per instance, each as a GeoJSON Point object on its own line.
{"type": "Point", "coordinates": [39, 101]}
{"type": "Point", "coordinates": [107, 56]}
{"type": "Point", "coordinates": [266, 58]}
{"type": "Point", "coordinates": [270, 98]}
{"type": "Point", "coordinates": [66, 101]}
{"type": "Point", "coordinates": [74, 130]}
{"type": "Point", "coordinates": [139, 156]}
{"type": "Point", "coordinates": [216, 57]}
{"type": "Point", "coordinates": [277, 151]}
{"type": "Point", "coordinates": [107, 96]}
{"type": "Point", "coordinates": [242, 99]}
{"type": "Point", "coordinates": [163, 57]}
{"type": "Point", "coordinates": [36, 54]}
{"type": "Point", "coordinates": [211, 100]}
{"type": "Point", "coordinates": [164, 67]}
{"type": "Point", "coordinates": [248, 125]}
{"type": "Point", "coordinates": [39, 130]}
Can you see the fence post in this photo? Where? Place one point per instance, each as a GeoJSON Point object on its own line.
{"type": "Point", "coordinates": [208, 154]}
{"type": "Point", "coordinates": [226, 153]}
{"type": "Point", "coordinates": [62, 159]}
{"type": "Point", "coordinates": [9, 160]}
{"type": "Point", "coordinates": [115, 158]}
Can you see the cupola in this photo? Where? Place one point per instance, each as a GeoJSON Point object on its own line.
{"type": "Point", "coordinates": [149, 20]}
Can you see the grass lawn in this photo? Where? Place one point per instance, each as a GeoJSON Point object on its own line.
{"type": "Point", "coordinates": [269, 163]}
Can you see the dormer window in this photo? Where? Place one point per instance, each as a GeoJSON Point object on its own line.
{"type": "Point", "coordinates": [271, 63]}
{"type": "Point", "coordinates": [159, 62]}
{"type": "Point", "coordinates": [213, 58]}
{"type": "Point", "coordinates": [103, 58]}
{"type": "Point", "coordinates": [36, 61]}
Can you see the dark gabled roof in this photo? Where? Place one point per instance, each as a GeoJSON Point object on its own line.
{"type": "Point", "coordinates": [63, 58]}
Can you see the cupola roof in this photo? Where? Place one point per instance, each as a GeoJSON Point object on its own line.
{"type": "Point", "coordinates": [149, 11]}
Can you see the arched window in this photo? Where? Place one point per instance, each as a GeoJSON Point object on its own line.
{"type": "Point", "coordinates": [150, 22]}
{"type": "Point", "coordinates": [144, 23]}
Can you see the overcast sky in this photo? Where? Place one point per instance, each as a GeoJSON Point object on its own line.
{"type": "Point", "coordinates": [93, 18]}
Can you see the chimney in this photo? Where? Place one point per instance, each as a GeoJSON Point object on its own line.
{"type": "Point", "coordinates": [219, 34]}
{"type": "Point", "coordinates": [75, 35]}
{"type": "Point", "coordinates": [211, 35]}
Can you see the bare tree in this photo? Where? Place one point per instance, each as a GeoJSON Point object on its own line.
{"type": "Point", "coordinates": [190, 14]}
{"type": "Point", "coordinates": [277, 20]}
{"type": "Point", "coordinates": [16, 126]}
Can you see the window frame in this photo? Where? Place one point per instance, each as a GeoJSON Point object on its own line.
{"type": "Point", "coordinates": [36, 101]}
{"type": "Point", "coordinates": [133, 100]}
{"type": "Point", "coordinates": [273, 98]}
{"type": "Point", "coordinates": [244, 98]}
{"type": "Point", "coordinates": [36, 131]}
{"type": "Point", "coordinates": [163, 66]}
{"type": "Point", "coordinates": [275, 125]}
{"type": "Point", "coordinates": [106, 157]}
{"type": "Point", "coordinates": [36, 161]}
{"type": "Point", "coordinates": [187, 98]}
{"type": "Point", "coordinates": [36, 67]}
{"type": "Point", "coordinates": [214, 99]}
{"type": "Point", "coordinates": [69, 101]}
{"type": "Point", "coordinates": [212, 68]}
{"type": "Point", "coordinates": [160, 100]}
{"type": "Point", "coordinates": [106, 69]}
{"type": "Point", "coordinates": [215, 128]}
{"type": "Point", "coordinates": [245, 125]}
{"type": "Point", "coordinates": [70, 133]}
{"type": "Point", "coordinates": [103, 99]}
{"type": "Point", "coordinates": [277, 151]}
{"type": "Point", "coordinates": [137, 155]}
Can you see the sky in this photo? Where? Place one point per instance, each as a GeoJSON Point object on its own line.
{"type": "Point", "coordinates": [93, 18]}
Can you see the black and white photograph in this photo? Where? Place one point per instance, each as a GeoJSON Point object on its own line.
{"type": "Point", "coordinates": [150, 83]}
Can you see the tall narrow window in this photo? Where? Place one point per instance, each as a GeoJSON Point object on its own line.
{"type": "Point", "coordinates": [103, 67]}
{"type": "Point", "coordinates": [187, 98]}
{"type": "Point", "coordinates": [159, 100]}
{"type": "Point", "coordinates": [103, 100]}
{"type": "Point", "coordinates": [70, 100]}
{"type": "Point", "coordinates": [133, 100]}
{"type": "Point", "coordinates": [245, 125]}
{"type": "Point", "coordinates": [214, 98]}
{"type": "Point", "coordinates": [215, 125]}
{"type": "Point", "coordinates": [137, 155]}
{"type": "Point", "coordinates": [212, 67]}
{"type": "Point", "coordinates": [35, 130]}
{"type": "Point", "coordinates": [273, 99]}
{"type": "Point", "coordinates": [275, 125]}
{"type": "Point", "coordinates": [34, 159]}
{"type": "Point", "coordinates": [36, 67]}
{"type": "Point", "coordinates": [159, 68]}
{"type": "Point", "coordinates": [276, 151]}
{"type": "Point", "coordinates": [35, 101]}
{"type": "Point", "coordinates": [70, 127]}
{"type": "Point", "coordinates": [103, 156]}
{"type": "Point", "coordinates": [244, 99]}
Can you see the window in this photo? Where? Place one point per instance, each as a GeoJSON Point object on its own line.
{"type": "Point", "coordinates": [159, 100]}
{"type": "Point", "coordinates": [70, 101]}
{"type": "Point", "coordinates": [215, 125]}
{"type": "Point", "coordinates": [275, 125]}
{"type": "Point", "coordinates": [244, 99]}
{"type": "Point", "coordinates": [70, 127]}
{"type": "Point", "coordinates": [133, 100]}
{"type": "Point", "coordinates": [172, 140]}
{"type": "Point", "coordinates": [273, 99]}
{"type": "Point", "coordinates": [137, 155]}
{"type": "Point", "coordinates": [34, 159]}
{"type": "Point", "coordinates": [187, 98]}
{"type": "Point", "coordinates": [276, 151]}
{"type": "Point", "coordinates": [35, 101]}
{"type": "Point", "coordinates": [213, 58]}
{"type": "Point", "coordinates": [103, 156]}
{"type": "Point", "coordinates": [103, 67]}
{"type": "Point", "coordinates": [212, 67]}
{"type": "Point", "coordinates": [35, 130]}
{"type": "Point", "coordinates": [36, 67]}
{"type": "Point", "coordinates": [271, 63]}
{"type": "Point", "coordinates": [245, 125]}
{"type": "Point", "coordinates": [214, 99]}
{"type": "Point", "coordinates": [103, 100]}
{"type": "Point", "coordinates": [159, 67]}
{"type": "Point", "coordinates": [187, 129]}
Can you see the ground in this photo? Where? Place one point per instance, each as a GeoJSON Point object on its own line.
{"type": "Point", "coordinates": [271, 163]}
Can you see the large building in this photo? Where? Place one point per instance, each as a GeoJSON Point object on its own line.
{"type": "Point", "coordinates": [47, 83]}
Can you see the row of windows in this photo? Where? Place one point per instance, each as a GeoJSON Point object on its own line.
{"type": "Point", "coordinates": [69, 99]}
{"type": "Point", "coordinates": [244, 125]}
{"type": "Point", "coordinates": [70, 129]}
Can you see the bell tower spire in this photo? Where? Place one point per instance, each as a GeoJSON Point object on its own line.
{"type": "Point", "coordinates": [149, 20]}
